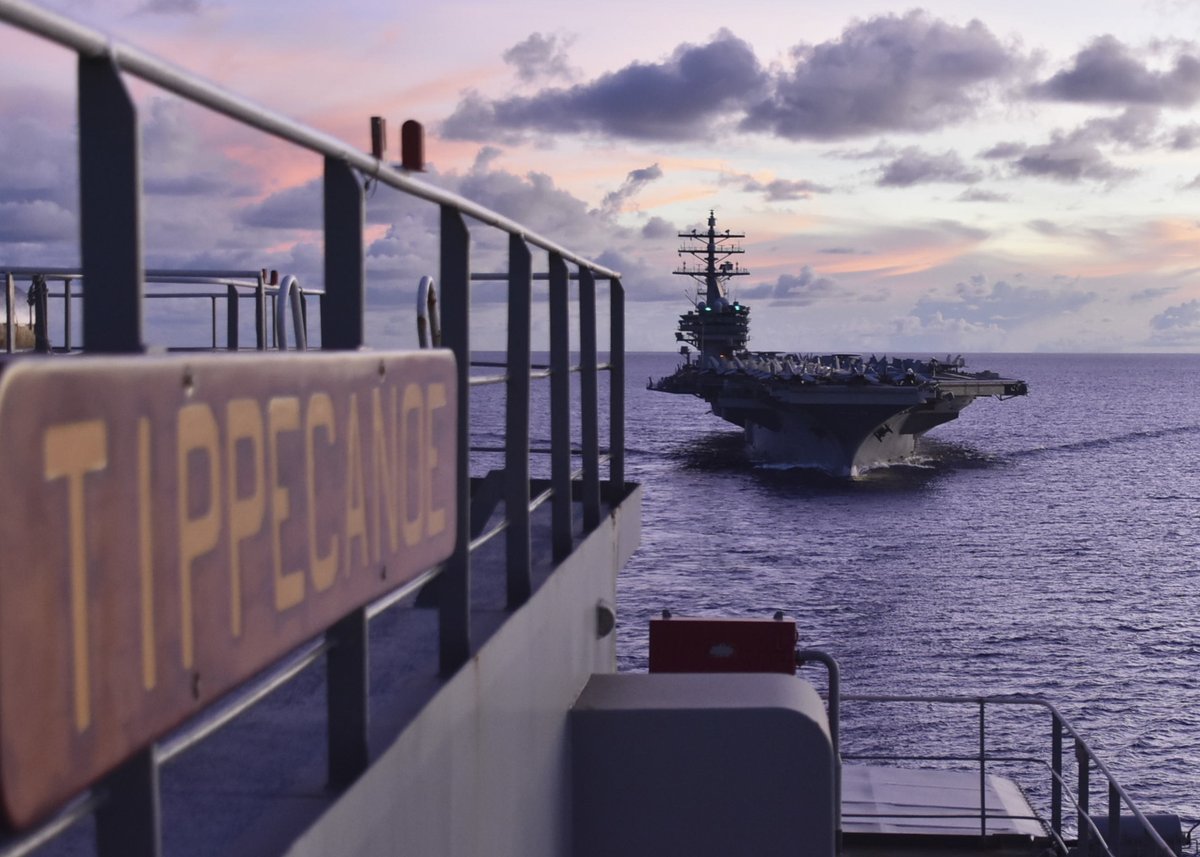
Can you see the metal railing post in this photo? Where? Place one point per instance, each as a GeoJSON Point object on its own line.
{"type": "Point", "coordinates": [260, 313]}
{"type": "Point", "coordinates": [345, 273]}
{"type": "Point", "coordinates": [110, 221]}
{"type": "Point", "coordinates": [346, 698]}
{"type": "Point", "coordinates": [39, 291]}
{"type": "Point", "coordinates": [589, 406]}
{"type": "Point", "coordinates": [67, 314]}
{"type": "Point", "coordinates": [10, 303]}
{"type": "Point", "coordinates": [231, 319]}
{"type": "Point", "coordinates": [1084, 834]}
{"type": "Point", "coordinates": [835, 725]}
{"type": "Point", "coordinates": [347, 684]}
{"type": "Point", "coordinates": [1113, 838]}
{"type": "Point", "coordinates": [1056, 772]}
{"type": "Point", "coordinates": [982, 771]}
{"type": "Point", "coordinates": [516, 432]}
{"type": "Point", "coordinates": [454, 585]}
{"type": "Point", "coordinates": [616, 391]}
{"type": "Point", "coordinates": [129, 821]}
{"type": "Point", "coordinates": [560, 409]}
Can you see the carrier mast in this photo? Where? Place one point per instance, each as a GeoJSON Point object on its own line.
{"type": "Point", "coordinates": [716, 328]}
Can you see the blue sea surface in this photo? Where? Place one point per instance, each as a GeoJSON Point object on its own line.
{"type": "Point", "coordinates": [1047, 544]}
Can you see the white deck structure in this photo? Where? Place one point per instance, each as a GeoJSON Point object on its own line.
{"type": "Point", "coordinates": [932, 803]}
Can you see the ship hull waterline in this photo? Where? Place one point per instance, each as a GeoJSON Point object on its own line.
{"type": "Point", "coordinates": [840, 430]}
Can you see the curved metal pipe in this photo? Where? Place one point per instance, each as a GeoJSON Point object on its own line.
{"type": "Point", "coordinates": [290, 295]}
{"type": "Point", "coordinates": [429, 320]}
{"type": "Point", "coordinates": [803, 656]}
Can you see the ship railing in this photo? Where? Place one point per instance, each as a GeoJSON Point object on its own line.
{"type": "Point", "coordinates": [1090, 839]}
{"type": "Point", "coordinates": [125, 799]}
{"type": "Point", "coordinates": [223, 289]}
{"type": "Point", "coordinates": [593, 456]}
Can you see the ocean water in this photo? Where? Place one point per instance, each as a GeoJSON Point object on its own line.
{"type": "Point", "coordinates": [1047, 544]}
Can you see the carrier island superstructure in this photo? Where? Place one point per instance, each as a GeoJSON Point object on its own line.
{"type": "Point", "coordinates": [838, 412]}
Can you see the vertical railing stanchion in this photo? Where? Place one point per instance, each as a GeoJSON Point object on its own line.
{"type": "Point", "coordinates": [516, 431]}
{"type": "Point", "coordinates": [346, 666]}
{"type": "Point", "coordinates": [345, 272]}
{"type": "Point", "coordinates": [39, 291]}
{"type": "Point", "coordinates": [40, 297]}
{"type": "Point", "coordinates": [129, 818]}
{"type": "Point", "coordinates": [110, 222]}
{"type": "Point", "coordinates": [346, 687]}
{"type": "Point", "coordinates": [1084, 834]}
{"type": "Point", "coordinates": [231, 319]}
{"type": "Point", "coordinates": [982, 771]}
{"type": "Point", "coordinates": [346, 698]}
{"type": "Point", "coordinates": [454, 585]}
{"type": "Point", "coordinates": [260, 312]}
{"type": "Point", "coordinates": [1113, 838]}
{"type": "Point", "coordinates": [110, 239]}
{"type": "Point", "coordinates": [589, 405]}
{"type": "Point", "coordinates": [834, 711]}
{"type": "Point", "coordinates": [67, 314]}
{"type": "Point", "coordinates": [10, 308]}
{"type": "Point", "coordinates": [616, 391]}
{"type": "Point", "coordinates": [212, 300]}
{"type": "Point", "coordinates": [560, 409]}
{"type": "Point", "coordinates": [1056, 773]}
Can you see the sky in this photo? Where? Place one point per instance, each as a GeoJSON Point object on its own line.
{"type": "Point", "coordinates": [986, 177]}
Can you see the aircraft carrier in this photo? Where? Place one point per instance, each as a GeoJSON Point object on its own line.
{"type": "Point", "coordinates": [842, 413]}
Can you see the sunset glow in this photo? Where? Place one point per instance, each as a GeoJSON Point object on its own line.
{"type": "Point", "coordinates": [894, 170]}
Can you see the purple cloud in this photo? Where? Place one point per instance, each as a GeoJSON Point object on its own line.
{"type": "Point", "coordinates": [644, 101]}
{"type": "Point", "coordinates": [1107, 72]}
{"type": "Point", "coordinates": [910, 73]}
{"type": "Point", "coordinates": [915, 166]}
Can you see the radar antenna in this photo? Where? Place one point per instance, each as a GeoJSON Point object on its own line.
{"type": "Point", "coordinates": [717, 327]}
{"type": "Point", "coordinates": [712, 249]}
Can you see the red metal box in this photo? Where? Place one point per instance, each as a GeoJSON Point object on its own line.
{"type": "Point", "coordinates": [680, 645]}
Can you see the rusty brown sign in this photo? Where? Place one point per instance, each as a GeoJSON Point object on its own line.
{"type": "Point", "coordinates": [174, 525]}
